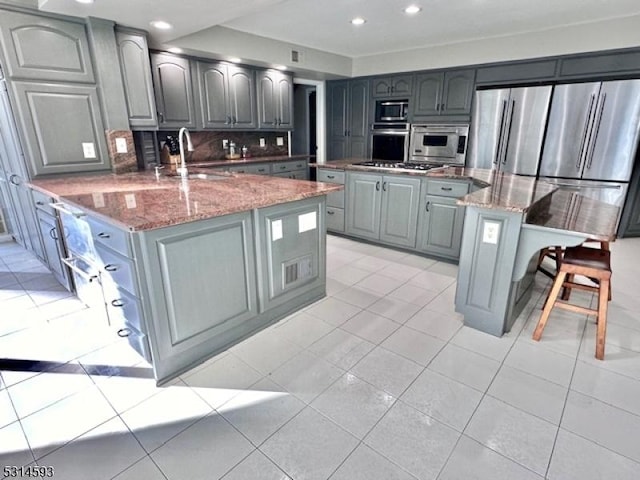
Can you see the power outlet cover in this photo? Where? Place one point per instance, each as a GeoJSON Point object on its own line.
{"type": "Point", "coordinates": [280, 141]}
{"type": "Point", "coordinates": [121, 145]}
{"type": "Point", "coordinates": [263, 142]}
{"type": "Point", "coordinates": [89, 150]}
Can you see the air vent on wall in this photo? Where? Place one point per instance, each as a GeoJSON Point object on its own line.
{"type": "Point", "coordinates": [296, 56]}
{"type": "Point", "coordinates": [297, 270]}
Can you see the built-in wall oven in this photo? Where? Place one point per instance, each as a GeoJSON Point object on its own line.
{"type": "Point", "coordinates": [443, 144]}
{"type": "Point", "coordinates": [390, 141]}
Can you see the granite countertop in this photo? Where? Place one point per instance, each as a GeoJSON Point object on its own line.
{"type": "Point", "coordinates": [503, 191]}
{"type": "Point", "coordinates": [247, 161]}
{"type": "Point", "coordinates": [144, 201]}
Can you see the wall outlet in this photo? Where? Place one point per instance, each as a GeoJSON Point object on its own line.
{"type": "Point", "coordinates": [491, 233]}
{"type": "Point", "coordinates": [130, 200]}
{"type": "Point", "coordinates": [263, 143]}
{"type": "Point", "coordinates": [225, 143]}
{"type": "Point", "coordinates": [121, 145]}
{"type": "Point", "coordinates": [89, 150]}
{"type": "Point", "coordinates": [280, 141]}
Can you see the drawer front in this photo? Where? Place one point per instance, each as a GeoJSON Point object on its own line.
{"type": "Point", "coordinates": [335, 219]}
{"type": "Point", "coordinates": [116, 271]}
{"type": "Point", "coordinates": [43, 202]}
{"type": "Point", "coordinates": [256, 169]}
{"type": "Point", "coordinates": [137, 340]}
{"type": "Point", "coordinates": [281, 167]}
{"type": "Point", "coordinates": [113, 237]}
{"type": "Point", "coordinates": [124, 309]}
{"type": "Point", "coordinates": [335, 199]}
{"type": "Point", "coordinates": [447, 189]}
{"type": "Point", "coordinates": [331, 176]}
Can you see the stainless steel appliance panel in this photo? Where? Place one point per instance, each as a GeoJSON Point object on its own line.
{"type": "Point", "coordinates": [615, 132]}
{"type": "Point", "coordinates": [488, 113]}
{"type": "Point", "coordinates": [526, 117]}
{"type": "Point", "coordinates": [608, 192]}
{"type": "Point", "coordinates": [390, 142]}
{"type": "Point", "coordinates": [571, 118]}
{"type": "Point", "coordinates": [439, 143]}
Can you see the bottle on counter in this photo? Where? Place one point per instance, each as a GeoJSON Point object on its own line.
{"type": "Point", "coordinates": [232, 149]}
{"type": "Point", "coordinates": [245, 151]}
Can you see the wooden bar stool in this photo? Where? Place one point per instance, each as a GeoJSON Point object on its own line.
{"type": "Point", "coordinates": [594, 263]}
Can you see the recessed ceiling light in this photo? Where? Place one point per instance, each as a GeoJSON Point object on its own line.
{"type": "Point", "coordinates": [161, 25]}
{"type": "Point", "coordinates": [235, 60]}
{"type": "Point", "coordinates": [281, 67]}
{"type": "Point", "coordinates": [412, 9]}
{"type": "Point", "coordinates": [84, 1]}
{"type": "Point", "coordinates": [358, 21]}
{"type": "Point", "coordinates": [175, 50]}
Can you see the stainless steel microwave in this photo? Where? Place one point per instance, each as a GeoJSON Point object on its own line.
{"type": "Point", "coordinates": [392, 111]}
{"type": "Point", "coordinates": [446, 144]}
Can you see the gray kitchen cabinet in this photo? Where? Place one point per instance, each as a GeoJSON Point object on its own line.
{"type": "Point", "coordinates": [296, 169]}
{"type": "Point", "coordinates": [517, 72]}
{"type": "Point", "coordinates": [173, 91]}
{"type": "Point", "coordinates": [382, 208]}
{"type": "Point", "coordinates": [135, 67]}
{"type": "Point", "coordinates": [396, 86]}
{"type": "Point", "coordinates": [275, 100]}
{"type": "Point", "coordinates": [291, 251]}
{"type": "Point", "coordinates": [227, 96]}
{"type": "Point", "coordinates": [62, 126]}
{"type": "Point", "coordinates": [43, 48]}
{"type": "Point", "coordinates": [441, 219]}
{"type": "Point", "coordinates": [348, 113]}
{"type": "Point", "coordinates": [600, 65]}
{"type": "Point", "coordinates": [335, 200]}
{"type": "Point", "coordinates": [443, 93]}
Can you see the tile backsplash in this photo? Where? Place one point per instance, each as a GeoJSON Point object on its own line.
{"type": "Point", "coordinates": [208, 145]}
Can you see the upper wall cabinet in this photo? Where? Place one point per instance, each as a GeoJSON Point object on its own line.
{"type": "Point", "coordinates": [227, 96]}
{"type": "Point", "coordinates": [275, 100]}
{"type": "Point", "coordinates": [62, 126]}
{"type": "Point", "coordinates": [517, 72]}
{"type": "Point", "coordinates": [444, 93]}
{"type": "Point", "coordinates": [41, 48]}
{"type": "Point", "coordinates": [133, 54]}
{"type": "Point", "coordinates": [173, 91]}
{"type": "Point", "coordinates": [398, 86]}
{"type": "Point", "coordinates": [604, 65]}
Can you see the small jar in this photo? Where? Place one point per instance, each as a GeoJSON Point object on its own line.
{"type": "Point", "coordinates": [245, 151]}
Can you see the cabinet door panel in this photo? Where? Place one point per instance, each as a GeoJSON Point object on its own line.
{"type": "Point", "coordinates": [402, 86]}
{"type": "Point", "coordinates": [267, 98]}
{"type": "Point", "coordinates": [242, 97]}
{"type": "Point", "coordinates": [285, 102]}
{"type": "Point", "coordinates": [338, 105]}
{"type": "Point", "coordinates": [359, 113]}
{"type": "Point", "coordinates": [458, 92]}
{"type": "Point", "coordinates": [174, 94]}
{"type": "Point", "coordinates": [43, 48]}
{"type": "Point", "coordinates": [364, 194]}
{"type": "Point", "coordinates": [136, 76]}
{"type": "Point", "coordinates": [400, 198]}
{"type": "Point", "coordinates": [428, 94]}
{"type": "Point", "coordinates": [381, 87]}
{"type": "Point", "coordinates": [58, 121]}
{"type": "Point", "coordinates": [442, 226]}
{"type": "Point", "coordinates": [212, 79]}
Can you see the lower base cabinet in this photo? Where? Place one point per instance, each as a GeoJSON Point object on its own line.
{"type": "Point", "coordinates": [383, 207]}
{"type": "Point", "coordinates": [441, 226]}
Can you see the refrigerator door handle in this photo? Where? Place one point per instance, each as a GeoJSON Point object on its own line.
{"type": "Point", "coordinates": [507, 130]}
{"type": "Point", "coordinates": [596, 129]}
{"type": "Point", "coordinates": [585, 134]}
{"type": "Point", "coordinates": [500, 133]}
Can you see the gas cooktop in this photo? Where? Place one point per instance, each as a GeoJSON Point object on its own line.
{"type": "Point", "coordinates": [403, 165]}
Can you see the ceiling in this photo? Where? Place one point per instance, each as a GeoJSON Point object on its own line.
{"type": "Point", "coordinates": [325, 24]}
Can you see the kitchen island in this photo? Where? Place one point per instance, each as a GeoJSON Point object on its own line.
{"type": "Point", "coordinates": [508, 219]}
{"type": "Point", "coordinates": [188, 267]}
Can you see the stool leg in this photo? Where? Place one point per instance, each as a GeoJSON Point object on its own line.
{"type": "Point", "coordinates": [566, 293]}
{"type": "Point", "coordinates": [551, 300]}
{"type": "Point", "coordinates": [602, 318]}
{"type": "Point", "coordinates": [558, 258]}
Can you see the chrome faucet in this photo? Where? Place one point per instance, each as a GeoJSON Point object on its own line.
{"type": "Point", "coordinates": [183, 164]}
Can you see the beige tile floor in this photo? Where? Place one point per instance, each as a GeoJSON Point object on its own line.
{"type": "Point", "coordinates": [379, 380]}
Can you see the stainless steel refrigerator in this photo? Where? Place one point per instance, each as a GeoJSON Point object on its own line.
{"type": "Point", "coordinates": [592, 137]}
{"type": "Point", "coordinates": [507, 129]}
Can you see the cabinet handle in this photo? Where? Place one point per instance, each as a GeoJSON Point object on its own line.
{"type": "Point", "coordinates": [234, 120]}
{"type": "Point", "coordinates": [161, 117]}
{"type": "Point", "coordinates": [391, 89]}
{"type": "Point", "coordinates": [275, 120]}
{"type": "Point", "coordinates": [111, 268]}
{"type": "Point", "coordinates": [428, 206]}
{"type": "Point", "coordinates": [262, 169]}
{"type": "Point", "coordinates": [384, 186]}
{"type": "Point", "coordinates": [117, 303]}
{"type": "Point", "coordinates": [446, 189]}
{"type": "Point", "coordinates": [330, 212]}
{"type": "Point", "coordinates": [346, 133]}
{"type": "Point", "coordinates": [39, 203]}
{"type": "Point", "coordinates": [13, 180]}
{"type": "Point", "coordinates": [378, 186]}
{"type": "Point", "coordinates": [283, 167]}
{"type": "Point", "coordinates": [104, 235]}
{"type": "Point", "coordinates": [70, 262]}
{"type": "Point", "coordinates": [331, 176]}
{"type": "Point", "coordinates": [442, 107]}
{"type": "Point", "coordinates": [227, 120]}
{"type": "Point", "coordinates": [52, 233]}
{"type": "Point", "coordinates": [124, 332]}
